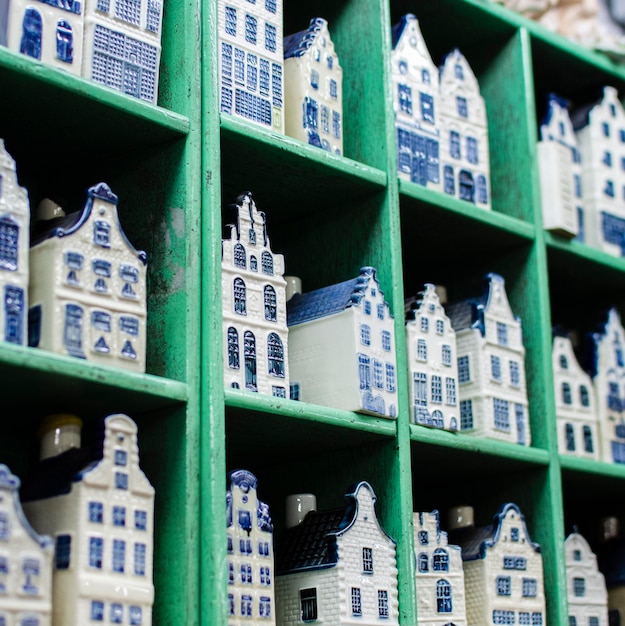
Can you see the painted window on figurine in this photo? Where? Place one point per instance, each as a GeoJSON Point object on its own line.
{"type": "Point", "coordinates": [579, 587]}
{"type": "Point", "coordinates": [454, 144]}
{"type": "Point", "coordinates": [119, 516]}
{"type": "Point", "coordinates": [135, 615]}
{"type": "Point", "coordinates": [271, 307]}
{"type": "Point", "coordinates": [503, 585]}
{"type": "Point", "coordinates": [481, 188]}
{"type": "Point", "coordinates": [537, 619]}
{"type": "Point", "coordinates": [231, 21]}
{"type": "Point", "coordinates": [614, 400]}
{"type": "Point", "coordinates": [569, 435]}
{"type": "Point", "coordinates": [472, 152]}
{"type": "Point", "coordinates": [450, 391]}
{"type": "Point", "coordinates": [72, 334]}
{"type": "Point", "coordinates": [62, 551]}
{"type": "Point", "coordinates": [314, 79]}
{"type": "Point", "coordinates": [495, 367]}
{"type": "Point", "coordinates": [367, 560]}
{"type": "Point", "coordinates": [336, 124]}
{"type": "Point", "coordinates": [467, 186]}
{"type": "Point", "coordinates": [503, 617]}
{"type": "Point", "coordinates": [443, 597]}
{"type": "Point", "coordinates": [364, 371]}
{"type": "Point", "coordinates": [96, 549]}
{"type": "Point", "coordinates": [119, 555]}
{"type": "Point", "coordinates": [566, 393]}
{"type": "Point", "coordinates": [246, 606]}
{"type": "Point", "coordinates": [251, 29]}
{"type": "Point", "coordinates": [103, 5]}
{"type": "Point", "coordinates": [233, 348]}
{"type": "Point", "coordinates": [96, 512]}
{"type": "Point", "coordinates": [31, 571]}
{"type": "Point", "coordinates": [577, 181]}
{"type": "Point", "coordinates": [365, 334]}
{"type": "Point", "coordinates": [275, 352]}
{"type": "Point", "coordinates": [461, 105]}
{"type": "Point", "coordinates": [405, 98]}
{"type": "Point", "coordinates": [446, 354]}
{"type": "Point", "coordinates": [530, 587]}
{"type": "Point", "coordinates": [265, 576]}
{"type": "Point", "coordinates": [140, 557]}
{"type": "Point", "coordinates": [449, 181]}
{"type": "Point", "coordinates": [423, 537]}
{"type": "Point", "coordinates": [308, 604]}
{"type": "Point", "coordinates": [606, 129]}
{"type": "Point", "coordinates": [425, 75]}
{"type": "Point", "coordinates": [440, 327]}
{"type": "Point", "coordinates": [515, 373]}
{"type": "Point", "coordinates": [101, 233]}
{"type": "Point", "coordinates": [423, 563]}
{"type": "Point", "coordinates": [607, 158]}
{"type": "Point", "coordinates": [524, 618]}
{"type": "Point", "coordinates": [383, 603]}
{"type": "Point", "coordinates": [264, 606]}
{"type": "Point", "coordinates": [593, 621]}
{"type": "Point", "coordinates": [420, 389]}
{"type": "Point", "coordinates": [502, 334]}
{"type": "Point", "coordinates": [121, 481]}
{"type": "Point", "coordinates": [564, 364]}
{"type": "Point", "coordinates": [153, 23]}
{"type": "Point", "coordinates": [252, 72]}
{"type": "Point", "coordinates": [245, 573]}
{"type": "Point", "coordinates": [466, 414]}
{"type": "Point", "coordinates": [588, 442]}
{"type": "Point", "coordinates": [129, 11]}
{"type": "Point", "coordinates": [117, 613]}
{"type": "Point", "coordinates": [14, 308]}
{"type": "Point", "coordinates": [64, 41]}
{"type": "Point", "coordinates": [270, 37]}
{"type": "Point", "coordinates": [271, 6]}
{"type": "Point", "coordinates": [9, 237]}
{"type": "Point", "coordinates": [609, 188]}
{"type": "Point", "coordinates": [501, 411]}
{"type": "Point", "coordinates": [386, 340]}
{"type": "Point", "coordinates": [427, 107]}
{"type": "Point", "coordinates": [463, 369]}
{"type": "Point", "coordinates": [239, 296]}
{"type": "Point", "coordinates": [437, 389]}
{"type": "Point", "coordinates": [239, 67]}
{"type": "Point", "coordinates": [32, 25]}
{"type": "Point", "coordinates": [267, 263]}
{"type": "Point", "coordinates": [356, 601]}
{"type": "Point", "coordinates": [390, 377]}
{"type": "Point", "coordinates": [378, 374]}
{"type": "Point", "coordinates": [239, 256]}
{"type": "Point", "coordinates": [440, 560]}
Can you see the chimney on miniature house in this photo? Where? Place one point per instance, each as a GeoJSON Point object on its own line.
{"type": "Point", "coordinates": [293, 286]}
{"type": "Point", "coordinates": [298, 505]}
{"type": "Point", "coordinates": [460, 517]}
{"type": "Point", "coordinates": [59, 432]}
{"type": "Point", "coordinates": [47, 210]}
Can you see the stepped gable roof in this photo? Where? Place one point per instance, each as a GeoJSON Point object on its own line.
{"type": "Point", "coordinates": [297, 44]}
{"type": "Point", "coordinates": [398, 29]}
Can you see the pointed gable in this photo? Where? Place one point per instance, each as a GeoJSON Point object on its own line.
{"type": "Point", "coordinates": [298, 44]}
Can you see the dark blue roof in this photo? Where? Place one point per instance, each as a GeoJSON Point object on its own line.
{"type": "Point", "coordinates": [591, 344]}
{"type": "Point", "coordinates": [297, 44]}
{"type": "Point", "coordinates": [554, 100]}
{"type": "Point", "coordinates": [304, 307]}
{"type": "Point", "coordinates": [398, 29]}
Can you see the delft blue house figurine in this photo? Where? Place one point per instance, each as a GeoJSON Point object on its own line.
{"type": "Point", "coordinates": [342, 346]}
{"type": "Point", "coordinates": [250, 553]}
{"type": "Point", "coordinates": [14, 235]}
{"type": "Point", "coordinates": [313, 84]}
{"type": "Point", "coordinates": [88, 286]}
{"type": "Point", "coordinates": [338, 566]}
{"type": "Point", "coordinates": [491, 365]}
{"type": "Point", "coordinates": [251, 61]}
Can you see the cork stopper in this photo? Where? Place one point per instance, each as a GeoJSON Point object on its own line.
{"type": "Point", "coordinates": [59, 432]}
{"type": "Point", "coordinates": [608, 528]}
{"type": "Point", "coordinates": [460, 517]}
{"type": "Point", "coordinates": [293, 286]}
{"type": "Point", "coordinates": [298, 505]}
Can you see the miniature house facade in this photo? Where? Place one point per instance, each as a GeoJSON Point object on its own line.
{"type": "Point", "coordinates": [88, 286]}
{"type": "Point", "coordinates": [415, 81]}
{"type": "Point", "coordinates": [575, 403]}
{"type": "Point", "coordinates": [251, 61]}
{"type": "Point", "coordinates": [491, 366]}
{"type": "Point", "coordinates": [586, 590]}
{"type": "Point", "coordinates": [100, 514]}
{"type": "Point", "coordinates": [465, 155]}
{"type": "Point", "coordinates": [254, 306]}
{"type": "Point", "coordinates": [342, 346]}
{"type": "Point", "coordinates": [559, 162]}
{"type": "Point", "coordinates": [313, 83]}
{"type": "Point", "coordinates": [250, 553]}
{"type": "Point", "coordinates": [602, 145]}
{"type": "Point", "coordinates": [338, 567]}
{"type": "Point", "coordinates": [440, 577]}
{"type": "Point", "coordinates": [14, 236]}
{"type": "Point", "coordinates": [25, 562]}
{"type": "Point", "coordinates": [503, 572]}
{"type": "Point", "coordinates": [609, 384]}
{"type": "Point", "coordinates": [432, 363]}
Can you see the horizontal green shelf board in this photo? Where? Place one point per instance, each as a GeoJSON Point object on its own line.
{"type": "Point", "coordinates": [577, 251]}
{"type": "Point", "coordinates": [38, 380]}
{"type": "Point", "coordinates": [591, 467]}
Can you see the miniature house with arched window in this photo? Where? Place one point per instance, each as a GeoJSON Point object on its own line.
{"type": "Point", "coordinates": [14, 235]}
{"type": "Point", "coordinates": [88, 286]}
{"type": "Point", "coordinates": [254, 305]}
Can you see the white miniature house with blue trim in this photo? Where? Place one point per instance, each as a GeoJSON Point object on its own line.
{"type": "Point", "coordinates": [416, 95]}
{"type": "Point", "coordinates": [587, 595]}
{"type": "Point", "coordinates": [432, 363]}
{"type": "Point", "coordinates": [608, 374]}
{"type": "Point", "coordinates": [574, 393]}
{"type": "Point", "coordinates": [342, 346]}
{"type": "Point", "coordinates": [251, 61]}
{"type": "Point", "coordinates": [254, 305]}
{"type": "Point", "coordinates": [601, 137]}
{"type": "Point", "coordinates": [560, 167]}
{"type": "Point", "coordinates": [98, 506]}
{"type": "Point", "coordinates": [338, 567]}
{"type": "Point", "coordinates": [440, 576]}
{"type": "Point", "coordinates": [250, 553]}
{"type": "Point", "coordinates": [503, 571]}
{"type": "Point", "coordinates": [313, 84]}
{"type": "Point", "coordinates": [88, 286]}
{"type": "Point", "coordinates": [25, 562]}
{"type": "Point", "coordinates": [14, 242]}
{"type": "Point", "coordinates": [465, 153]}
{"type": "Point", "coordinates": [491, 365]}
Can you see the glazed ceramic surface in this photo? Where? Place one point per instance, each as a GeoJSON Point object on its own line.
{"type": "Point", "coordinates": [251, 61]}
{"type": "Point", "coordinates": [25, 562]}
{"type": "Point", "coordinates": [250, 553]}
{"type": "Point", "coordinates": [559, 162]}
{"type": "Point", "coordinates": [491, 365]}
{"type": "Point", "coordinates": [313, 84]}
{"type": "Point", "coordinates": [432, 363]}
{"type": "Point", "coordinates": [440, 576]}
{"type": "Point", "coordinates": [338, 567]}
{"type": "Point", "coordinates": [100, 512]}
{"type": "Point", "coordinates": [254, 306]}
{"type": "Point", "coordinates": [575, 403]}
{"type": "Point", "coordinates": [503, 571]}
{"type": "Point", "coordinates": [586, 589]}
{"type": "Point", "coordinates": [342, 346]}
{"type": "Point", "coordinates": [14, 235]}
{"type": "Point", "coordinates": [88, 286]}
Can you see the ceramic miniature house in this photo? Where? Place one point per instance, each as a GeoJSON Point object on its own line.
{"type": "Point", "coordinates": [98, 506]}
{"type": "Point", "coordinates": [25, 562]}
{"type": "Point", "coordinates": [254, 305]}
{"type": "Point", "coordinates": [51, 32]}
{"type": "Point", "coordinates": [342, 346]}
{"type": "Point", "coordinates": [313, 84]}
{"type": "Point", "coordinates": [491, 365]}
{"type": "Point", "coordinates": [415, 101]}
{"type": "Point", "coordinates": [88, 286]}
{"type": "Point", "coordinates": [465, 154]}
{"type": "Point", "coordinates": [432, 363]}
{"type": "Point", "coordinates": [601, 137]}
{"type": "Point", "coordinates": [586, 589]}
{"type": "Point", "coordinates": [251, 61]}
{"type": "Point", "coordinates": [503, 571]}
{"type": "Point", "coordinates": [14, 235]}
{"type": "Point", "coordinates": [608, 372]}
{"type": "Point", "coordinates": [559, 162]}
{"type": "Point", "coordinates": [250, 553]}
{"type": "Point", "coordinates": [575, 402]}
{"type": "Point", "coordinates": [440, 577]}
{"type": "Point", "coordinates": [611, 559]}
{"type": "Point", "coordinates": [122, 47]}
{"type": "Point", "coordinates": [338, 567]}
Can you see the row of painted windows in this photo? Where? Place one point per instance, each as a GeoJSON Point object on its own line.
{"type": "Point", "coordinates": [379, 370]}
{"type": "Point", "coordinates": [515, 562]}
{"type": "Point", "coordinates": [422, 352]}
{"type": "Point", "coordinates": [440, 561]}
{"type": "Point", "coordinates": [365, 337]}
{"type": "Point", "coordinates": [525, 618]}
{"type": "Point", "coordinates": [529, 586]}
{"type": "Point", "coordinates": [467, 186]}
{"type": "Point", "coordinates": [32, 35]}
{"type": "Point", "coordinates": [118, 515]}
{"type": "Point", "coordinates": [583, 394]}
{"type": "Point", "coordinates": [569, 433]}
{"type": "Point", "coordinates": [424, 325]}
{"type": "Point", "coordinates": [310, 110]}
{"type": "Point", "coordinates": [275, 355]}
{"type": "Point", "coordinates": [592, 620]}
{"type": "Point", "coordinates": [418, 156]}
{"type": "Point", "coordinates": [246, 607]}
{"type": "Point", "coordinates": [496, 370]}
{"type": "Point", "coordinates": [426, 102]}
{"type": "Point", "coordinates": [501, 416]}
{"type": "Point", "coordinates": [116, 613]}
{"type": "Point", "coordinates": [261, 75]}
{"type": "Point", "coordinates": [381, 309]}
{"type": "Point", "coordinates": [332, 85]}
{"type": "Point", "coordinates": [436, 389]}
{"type": "Point", "coordinates": [609, 189]}
{"type": "Point", "coordinates": [471, 147]}
{"type": "Point", "coordinates": [245, 545]}
{"type": "Point", "coordinates": [356, 597]}
{"type": "Point", "coordinates": [613, 229]}
{"type": "Point", "coordinates": [245, 574]}
{"type": "Point", "coordinates": [607, 159]}
{"type": "Point", "coordinates": [29, 579]}
{"type": "Point", "coordinates": [240, 260]}
{"type": "Point", "coordinates": [240, 300]}
{"type": "Point", "coordinates": [251, 29]}
{"type": "Point", "coordinates": [118, 559]}
{"type": "Point", "coordinates": [102, 270]}
{"type": "Point", "coordinates": [606, 128]}
{"type": "Point", "coordinates": [9, 240]}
